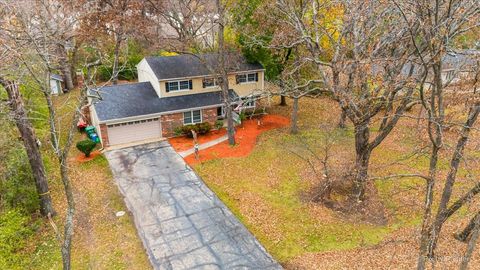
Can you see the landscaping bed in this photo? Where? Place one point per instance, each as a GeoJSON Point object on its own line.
{"type": "Point", "coordinates": [245, 138]}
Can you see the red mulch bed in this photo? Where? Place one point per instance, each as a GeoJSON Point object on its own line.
{"type": "Point", "coordinates": [82, 158]}
{"type": "Point", "coordinates": [183, 143]}
{"type": "Point", "coordinates": [245, 137]}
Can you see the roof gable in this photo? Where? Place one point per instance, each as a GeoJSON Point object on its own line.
{"type": "Point", "coordinates": [186, 65]}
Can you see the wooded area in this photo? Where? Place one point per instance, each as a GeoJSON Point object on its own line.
{"type": "Point", "coordinates": [378, 64]}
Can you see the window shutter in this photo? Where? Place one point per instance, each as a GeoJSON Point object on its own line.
{"type": "Point", "coordinates": [203, 83]}
{"type": "Point", "coordinates": [190, 84]}
{"type": "Point", "coordinates": [236, 78]}
{"type": "Point", "coordinates": [256, 77]}
{"type": "Point", "coordinates": [166, 87]}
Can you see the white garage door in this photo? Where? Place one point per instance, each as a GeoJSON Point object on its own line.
{"type": "Point", "coordinates": [134, 131]}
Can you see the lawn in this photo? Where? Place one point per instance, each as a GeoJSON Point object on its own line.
{"type": "Point", "coordinates": [267, 190]}
{"type": "Point", "coordinates": [101, 239]}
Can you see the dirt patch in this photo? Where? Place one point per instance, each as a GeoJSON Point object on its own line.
{"type": "Point", "coordinates": [82, 158]}
{"type": "Point", "coordinates": [183, 143]}
{"type": "Point", "coordinates": [245, 137]}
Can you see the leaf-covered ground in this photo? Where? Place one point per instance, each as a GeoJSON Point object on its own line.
{"type": "Point", "coordinates": [101, 240]}
{"type": "Point", "coordinates": [268, 191]}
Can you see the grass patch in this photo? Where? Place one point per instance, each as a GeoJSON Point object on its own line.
{"type": "Point", "coordinates": [264, 190]}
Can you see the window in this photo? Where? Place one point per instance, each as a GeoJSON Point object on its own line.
{"type": "Point", "coordinates": [247, 78]}
{"type": "Point", "coordinates": [192, 117]}
{"type": "Point", "coordinates": [132, 123]}
{"type": "Point", "coordinates": [241, 78]}
{"type": "Point", "coordinates": [178, 85]}
{"type": "Point", "coordinates": [248, 103]}
{"type": "Point", "coordinates": [209, 82]}
{"type": "Point", "coordinates": [220, 112]}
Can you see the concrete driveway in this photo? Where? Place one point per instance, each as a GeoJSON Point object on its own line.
{"type": "Point", "coordinates": [182, 223]}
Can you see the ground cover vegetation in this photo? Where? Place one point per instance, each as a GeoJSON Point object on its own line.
{"type": "Point", "coordinates": [378, 167]}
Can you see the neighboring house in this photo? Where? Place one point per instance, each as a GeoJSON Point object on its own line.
{"type": "Point", "coordinates": [460, 65]}
{"type": "Point", "coordinates": [172, 91]}
{"type": "Point", "coordinates": [56, 82]}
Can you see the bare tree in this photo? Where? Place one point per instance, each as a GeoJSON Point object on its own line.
{"type": "Point", "coordinates": [32, 148]}
{"type": "Point", "coordinates": [223, 71]}
{"type": "Point", "coordinates": [30, 55]}
{"type": "Point", "coordinates": [184, 21]}
{"type": "Point", "coordinates": [367, 71]}
{"type": "Point", "coordinates": [433, 26]}
{"type": "Point", "coordinates": [119, 19]}
{"type": "Point", "coordinates": [292, 85]}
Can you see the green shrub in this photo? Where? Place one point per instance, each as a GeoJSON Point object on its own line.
{"type": "Point", "coordinates": [17, 185]}
{"type": "Point", "coordinates": [218, 124]}
{"type": "Point", "coordinates": [15, 229]}
{"type": "Point", "coordinates": [187, 130]}
{"type": "Point", "coordinates": [204, 128]}
{"type": "Point", "coordinates": [243, 116]}
{"type": "Point", "coordinates": [86, 146]}
{"type": "Point", "coordinates": [178, 131]}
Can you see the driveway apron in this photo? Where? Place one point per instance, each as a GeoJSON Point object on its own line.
{"type": "Point", "coordinates": [182, 223]}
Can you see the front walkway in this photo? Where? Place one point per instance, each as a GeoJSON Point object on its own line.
{"type": "Point", "coordinates": [182, 223]}
{"type": "Point", "coordinates": [204, 146]}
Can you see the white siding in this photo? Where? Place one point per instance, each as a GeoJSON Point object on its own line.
{"type": "Point", "coordinates": [146, 74]}
{"type": "Point", "coordinates": [55, 87]}
{"type": "Point", "coordinates": [95, 122]}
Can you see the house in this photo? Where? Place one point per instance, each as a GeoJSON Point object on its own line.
{"type": "Point", "coordinates": [172, 91]}
{"type": "Point", "coordinates": [460, 65]}
{"type": "Point", "coordinates": [56, 84]}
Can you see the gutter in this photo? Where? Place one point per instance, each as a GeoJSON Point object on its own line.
{"type": "Point", "coordinates": [206, 76]}
{"type": "Point", "coordinates": [154, 115]}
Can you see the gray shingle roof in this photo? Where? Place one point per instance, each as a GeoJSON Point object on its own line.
{"type": "Point", "coordinates": [461, 60]}
{"type": "Point", "coordinates": [185, 65]}
{"type": "Point", "coordinates": [137, 99]}
{"type": "Point", "coordinates": [56, 77]}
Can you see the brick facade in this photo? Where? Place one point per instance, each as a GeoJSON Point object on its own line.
{"type": "Point", "coordinates": [104, 134]}
{"type": "Point", "coordinates": [174, 120]}
{"type": "Point", "coordinates": [209, 115]}
{"type": "Point", "coordinates": [170, 122]}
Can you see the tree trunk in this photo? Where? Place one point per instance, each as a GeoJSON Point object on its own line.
{"type": "Point", "coordinates": [475, 231]}
{"type": "Point", "coordinates": [73, 63]}
{"type": "Point", "coordinates": [441, 216]}
{"type": "Point", "coordinates": [116, 56]}
{"type": "Point", "coordinates": [343, 119]}
{"type": "Point", "coordinates": [362, 159]}
{"type": "Point", "coordinates": [294, 125]}
{"type": "Point", "coordinates": [30, 143]}
{"type": "Point", "coordinates": [283, 99]}
{"type": "Point", "coordinates": [224, 76]}
{"type": "Point", "coordinates": [465, 234]}
{"type": "Point", "coordinates": [68, 227]}
{"type": "Point", "coordinates": [62, 155]}
{"type": "Point", "coordinates": [66, 68]}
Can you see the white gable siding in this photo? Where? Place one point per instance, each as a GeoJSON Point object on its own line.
{"type": "Point", "coordinates": [94, 118]}
{"type": "Point", "coordinates": [146, 74]}
{"type": "Point", "coordinates": [55, 87]}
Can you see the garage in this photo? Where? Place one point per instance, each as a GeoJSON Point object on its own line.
{"type": "Point", "coordinates": [134, 131]}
